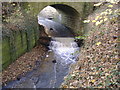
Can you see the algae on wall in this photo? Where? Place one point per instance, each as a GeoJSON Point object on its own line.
{"type": "Point", "coordinates": [5, 51]}
{"type": "Point", "coordinates": [20, 34]}
{"type": "Point", "coordinates": [21, 42]}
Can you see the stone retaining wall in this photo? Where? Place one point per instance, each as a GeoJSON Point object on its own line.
{"type": "Point", "coordinates": [16, 43]}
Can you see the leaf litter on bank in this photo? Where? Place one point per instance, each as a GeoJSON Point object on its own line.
{"type": "Point", "coordinates": [97, 66]}
{"type": "Point", "coordinates": [23, 64]}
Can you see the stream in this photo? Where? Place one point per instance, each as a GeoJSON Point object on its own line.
{"type": "Point", "coordinates": [55, 66]}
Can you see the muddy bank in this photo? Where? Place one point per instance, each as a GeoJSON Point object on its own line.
{"type": "Point", "coordinates": [23, 64]}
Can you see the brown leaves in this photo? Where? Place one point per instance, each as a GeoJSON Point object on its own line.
{"type": "Point", "coordinates": [98, 58]}
{"type": "Point", "coordinates": [23, 64]}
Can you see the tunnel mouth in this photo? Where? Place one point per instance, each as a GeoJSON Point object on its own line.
{"type": "Point", "coordinates": [59, 20]}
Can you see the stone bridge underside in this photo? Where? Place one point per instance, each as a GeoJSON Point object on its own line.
{"type": "Point", "coordinates": [69, 14]}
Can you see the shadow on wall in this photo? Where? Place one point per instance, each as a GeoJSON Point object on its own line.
{"type": "Point", "coordinates": [43, 39]}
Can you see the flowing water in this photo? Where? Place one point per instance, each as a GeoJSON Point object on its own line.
{"type": "Point", "coordinates": [65, 50]}
{"type": "Point", "coordinates": [50, 73]}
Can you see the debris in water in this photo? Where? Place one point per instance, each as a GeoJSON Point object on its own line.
{"type": "Point", "coordinates": [51, 29]}
{"type": "Point", "coordinates": [114, 37]}
{"type": "Point", "coordinates": [37, 63]}
{"type": "Point", "coordinates": [18, 78]}
{"type": "Point", "coordinates": [50, 51]}
{"type": "Point", "coordinates": [54, 61]}
{"type": "Point", "coordinates": [47, 55]}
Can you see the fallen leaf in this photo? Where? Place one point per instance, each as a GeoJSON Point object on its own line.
{"type": "Point", "coordinates": [105, 19]}
{"type": "Point", "coordinates": [73, 75]}
{"type": "Point", "coordinates": [13, 4]}
{"type": "Point", "coordinates": [93, 80]}
{"type": "Point", "coordinates": [97, 18]}
{"type": "Point", "coordinates": [97, 23]}
{"type": "Point", "coordinates": [65, 86]}
{"type": "Point", "coordinates": [98, 43]}
{"type": "Point", "coordinates": [110, 5]}
{"type": "Point", "coordinates": [98, 4]}
{"type": "Point", "coordinates": [72, 87]}
{"type": "Point", "coordinates": [86, 21]}
{"type": "Point", "coordinates": [93, 20]}
{"type": "Point", "coordinates": [106, 74]}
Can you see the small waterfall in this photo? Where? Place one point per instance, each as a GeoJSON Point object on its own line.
{"type": "Point", "coordinates": [65, 50]}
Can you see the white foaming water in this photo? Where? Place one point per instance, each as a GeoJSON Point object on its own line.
{"type": "Point", "coordinates": [66, 50]}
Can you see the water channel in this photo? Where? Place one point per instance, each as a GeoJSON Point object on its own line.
{"type": "Point", "coordinates": [63, 51]}
{"type": "Point", "coordinates": [50, 73]}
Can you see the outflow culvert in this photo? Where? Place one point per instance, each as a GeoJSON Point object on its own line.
{"type": "Point", "coordinates": [59, 20]}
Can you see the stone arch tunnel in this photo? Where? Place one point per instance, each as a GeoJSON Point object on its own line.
{"type": "Point", "coordinates": [68, 14]}
{"type": "Point", "coordinates": [59, 20]}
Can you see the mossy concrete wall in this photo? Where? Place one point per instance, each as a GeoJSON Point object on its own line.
{"type": "Point", "coordinates": [16, 42]}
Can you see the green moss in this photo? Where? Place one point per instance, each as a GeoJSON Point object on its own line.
{"type": "Point", "coordinates": [0, 53]}
{"type": "Point", "coordinates": [37, 34]}
{"type": "Point", "coordinates": [30, 39]}
{"type": "Point", "coordinates": [5, 50]}
{"type": "Point", "coordinates": [5, 65]}
{"type": "Point", "coordinates": [24, 42]}
{"type": "Point", "coordinates": [18, 44]}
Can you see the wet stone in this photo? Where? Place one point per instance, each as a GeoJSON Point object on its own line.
{"type": "Point", "coordinates": [37, 63]}
{"type": "Point", "coordinates": [30, 66]}
{"type": "Point", "coordinates": [35, 79]}
{"type": "Point", "coordinates": [54, 61]}
{"type": "Point", "coordinates": [47, 55]}
{"type": "Point", "coordinates": [50, 18]}
{"type": "Point", "coordinates": [34, 68]}
{"type": "Point", "coordinates": [51, 29]}
{"type": "Point", "coordinates": [114, 37]}
{"type": "Point", "coordinates": [19, 77]}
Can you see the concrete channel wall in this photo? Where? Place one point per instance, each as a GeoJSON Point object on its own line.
{"type": "Point", "coordinates": [17, 42]}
